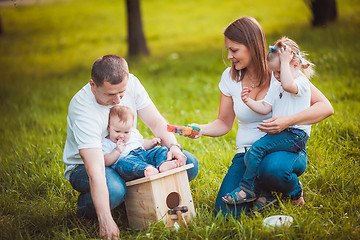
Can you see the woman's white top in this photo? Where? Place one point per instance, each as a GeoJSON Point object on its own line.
{"type": "Point", "coordinates": [248, 120]}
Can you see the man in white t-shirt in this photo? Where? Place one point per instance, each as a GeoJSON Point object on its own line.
{"type": "Point", "coordinates": [101, 188]}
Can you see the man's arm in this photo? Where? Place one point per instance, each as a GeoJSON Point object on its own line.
{"type": "Point", "coordinates": [95, 168]}
{"type": "Point", "coordinates": [157, 124]}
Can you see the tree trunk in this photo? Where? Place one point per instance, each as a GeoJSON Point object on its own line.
{"type": "Point", "coordinates": [136, 39]}
{"type": "Point", "coordinates": [324, 11]}
{"type": "Point", "coordinates": [1, 27]}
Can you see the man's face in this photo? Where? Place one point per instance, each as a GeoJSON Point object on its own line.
{"type": "Point", "coordinates": [109, 94]}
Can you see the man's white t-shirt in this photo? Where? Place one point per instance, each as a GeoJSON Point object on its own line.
{"type": "Point", "coordinates": [248, 120]}
{"type": "Point", "coordinates": [87, 120]}
{"type": "Point", "coordinates": [285, 104]}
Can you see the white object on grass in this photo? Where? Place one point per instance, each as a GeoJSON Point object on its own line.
{"type": "Point", "coordinates": [176, 226]}
{"type": "Point", "coordinates": [278, 221]}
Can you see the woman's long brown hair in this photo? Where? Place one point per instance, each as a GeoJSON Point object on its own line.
{"type": "Point", "coordinates": [247, 31]}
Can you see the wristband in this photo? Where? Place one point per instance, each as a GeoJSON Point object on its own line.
{"type": "Point", "coordinates": [176, 144]}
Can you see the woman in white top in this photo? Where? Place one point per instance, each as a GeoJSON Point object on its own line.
{"type": "Point", "coordinates": [279, 171]}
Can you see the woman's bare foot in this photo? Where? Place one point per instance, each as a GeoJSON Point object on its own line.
{"type": "Point", "coordinates": [299, 202]}
{"type": "Point", "coordinates": [168, 165]}
{"type": "Point", "coordinates": [262, 199]}
{"type": "Point", "coordinates": [149, 171]}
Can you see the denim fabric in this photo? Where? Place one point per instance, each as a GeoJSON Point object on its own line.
{"type": "Point", "coordinates": [79, 180]}
{"type": "Point", "coordinates": [277, 172]}
{"type": "Point", "coordinates": [132, 166]}
{"type": "Point", "coordinates": [291, 140]}
{"type": "Point", "coordinates": [192, 172]}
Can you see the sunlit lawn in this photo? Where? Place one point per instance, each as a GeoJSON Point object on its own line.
{"type": "Point", "coordinates": [46, 53]}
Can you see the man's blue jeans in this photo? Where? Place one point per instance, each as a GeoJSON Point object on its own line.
{"type": "Point", "coordinates": [291, 140]}
{"type": "Point", "coordinates": [79, 180]}
{"type": "Point", "coordinates": [277, 172]}
{"type": "Point", "coordinates": [132, 166]}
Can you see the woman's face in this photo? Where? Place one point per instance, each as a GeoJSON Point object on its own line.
{"type": "Point", "coordinates": [238, 53]}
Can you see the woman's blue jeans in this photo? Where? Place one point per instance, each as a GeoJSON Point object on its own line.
{"type": "Point", "coordinates": [79, 180]}
{"type": "Point", "coordinates": [277, 172]}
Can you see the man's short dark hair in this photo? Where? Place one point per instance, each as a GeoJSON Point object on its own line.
{"type": "Point", "coordinates": [109, 68]}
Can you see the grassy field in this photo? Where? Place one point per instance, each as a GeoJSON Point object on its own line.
{"type": "Point", "coordinates": [46, 52]}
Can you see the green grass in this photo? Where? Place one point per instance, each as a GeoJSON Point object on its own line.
{"type": "Point", "coordinates": [46, 52]}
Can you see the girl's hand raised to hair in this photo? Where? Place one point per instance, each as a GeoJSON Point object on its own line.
{"type": "Point", "coordinates": [286, 54]}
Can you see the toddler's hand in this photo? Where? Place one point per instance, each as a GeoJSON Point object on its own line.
{"type": "Point", "coordinates": [245, 94]}
{"type": "Point", "coordinates": [155, 142]}
{"type": "Point", "coordinates": [151, 143]}
{"type": "Point", "coordinates": [120, 146]}
{"type": "Point", "coordinates": [286, 54]}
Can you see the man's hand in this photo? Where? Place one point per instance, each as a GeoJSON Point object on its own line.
{"type": "Point", "coordinates": [175, 153]}
{"type": "Point", "coordinates": [274, 124]}
{"type": "Point", "coordinates": [108, 229]}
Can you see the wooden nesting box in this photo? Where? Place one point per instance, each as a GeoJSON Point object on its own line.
{"type": "Point", "coordinates": [149, 199]}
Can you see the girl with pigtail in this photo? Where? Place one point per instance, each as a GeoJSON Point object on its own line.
{"type": "Point", "coordinates": [290, 95]}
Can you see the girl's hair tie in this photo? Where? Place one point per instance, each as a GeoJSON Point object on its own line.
{"type": "Point", "coordinates": [272, 48]}
{"type": "Point", "coordinates": [298, 53]}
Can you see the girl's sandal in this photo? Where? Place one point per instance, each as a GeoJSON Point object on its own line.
{"type": "Point", "coordinates": [234, 197]}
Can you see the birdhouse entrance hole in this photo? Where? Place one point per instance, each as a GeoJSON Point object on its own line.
{"type": "Point", "coordinates": [173, 200]}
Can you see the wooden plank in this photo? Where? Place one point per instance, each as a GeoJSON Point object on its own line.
{"type": "Point", "coordinates": [160, 175]}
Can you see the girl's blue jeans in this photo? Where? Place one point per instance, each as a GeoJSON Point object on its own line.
{"type": "Point", "coordinates": [79, 180]}
{"type": "Point", "coordinates": [291, 140]}
{"type": "Point", "coordinates": [277, 172]}
{"type": "Point", "coordinates": [132, 166]}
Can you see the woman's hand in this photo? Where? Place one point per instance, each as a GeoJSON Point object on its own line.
{"type": "Point", "coordinates": [274, 124]}
{"type": "Point", "coordinates": [194, 136]}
